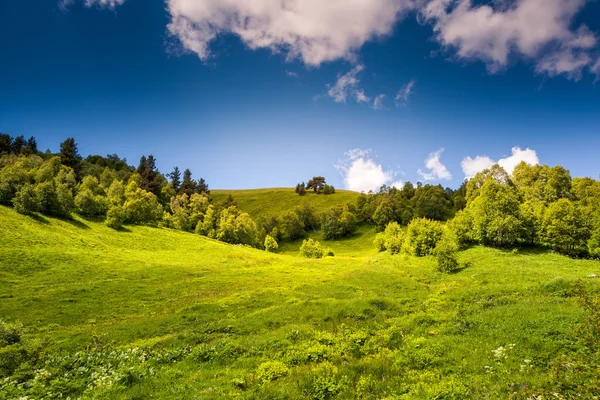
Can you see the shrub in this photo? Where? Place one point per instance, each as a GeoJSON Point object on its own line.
{"type": "Point", "coordinates": [10, 333]}
{"type": "Point", "coordinates": [26, 200]}
{"type": "Point", "coordinates": [379, 241]}
{"type": "Point", "coordinates": [594, 244]}
{"type": "Point", "coordinates": [445, 253]}
{"type": "Point", "coordinates": [323, 382]}
{"type": "Point", "coordinates": [393, 238]}
{"type": "Point", "coordinates": [311, 249]}
{"type": "Point", "coordinates": [462, 227]}
{"type": "Point", "coordinates": [236, 227]}
{"type": "Point", "coordinates": [422, 236]}
{"type": "Point", "coordinates": [271, 244]}
{"type": "Point", "coordinates": [271, 370]}
{"type": "Point", "coordinates": [115, 218]}
{"type": "Point", "coordinates": [329, 253]}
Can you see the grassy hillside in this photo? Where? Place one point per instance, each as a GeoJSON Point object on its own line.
{"type": "Point", "coordinates": [276, 201]}
{"type": "Point", "coordinates": [149, 312]}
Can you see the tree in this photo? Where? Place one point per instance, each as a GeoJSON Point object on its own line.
{"type": "Point", "coordinates": [5, 143]}
{"type": "Point", "coordinates": [151, 180]}
{"type": "Point", "coordinates": [565, 229]}
{"type": "Point", "coordinates": [18, 144]}
{"type": "Point", "coordinates": [188, 185]}
{"type": "Point", "coordinates": [308, 216]}
{"type": "Point", "coordinates": [338, 222]}
{"type": "Point", "coordinates": [317, 184]}
{"type": "Point", "coordinates": [432, 202]}
{"type": "Point", "coordinates": [30, 147]}
{"type": "Point", "coordinates": [202, 186]}
{"type": "Point", "coordinates": [175, 179]}
{"type": "Point", "coordinates": [328, 189]}
{"type": "Point", "coordinates": [140, 206]}
{"type": "Point", "coordinates": [384, 214]}
{"type": "Point", "coordinates": [291, 225]}
{"type": "Point", "coordinates": [236, 227]}
{"type": "Point", "coordinates": [26, 201]}
{"type": "Point", "coordinates": [496, 213]}
{"type": "Point", "coordinates": [69, 155]}
{"type": "Point", "coordinates": [208, 226]}
{"type": "Point", "coordinates": [422, 235]}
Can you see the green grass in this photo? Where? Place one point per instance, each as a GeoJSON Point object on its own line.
{"type": "Point", "coordinates": [209, 318]}
{"type": "Point", "coordinates": [276, 201]}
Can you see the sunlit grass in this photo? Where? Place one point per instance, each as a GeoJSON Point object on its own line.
{"type": "Point", "coordinates": [208, 315]}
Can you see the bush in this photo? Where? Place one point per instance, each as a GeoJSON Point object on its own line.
{"type": "Point", "coordinates": [311, 249]}
{"type": "Point", "coordinates": [324, 382]}
{"type": "Point", "coordinates": [462, 227]}
{"type": "Point", "coordinates": [115, 218]}
{"type": "Point", "coordinates": [271, 244]}
{"type": "Point", "coordinates": [26, 201]}
{"type": "Point", "coordinates": [89, 204]}
{"type": "Point", "coordinates": [379, 241]}
{"type": "Point", "coordinates": [10, 333]}
{"type": "Point", "coordinates": [422, 236]}
{"type": "Point", "coordinates": [271, 370]}
{"type": "Point", "coordinates": [291, 225]}
{"type": "Point", "coordinates": [329, 253]}
{"type": "Point", "coordinates": [445, 253]}
{"type": "Point", "coordinates": [393, 238]}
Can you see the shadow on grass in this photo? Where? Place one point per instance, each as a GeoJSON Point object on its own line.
{"type": "Point", "coordinates": [39, 219]}
{"type": "Point", "coordinates": [75, 223]}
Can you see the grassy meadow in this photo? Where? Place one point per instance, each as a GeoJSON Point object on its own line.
{"type": "Point", "coordinates": [276, 201]}
{"type": "Point", "coordinates": [149, 312]}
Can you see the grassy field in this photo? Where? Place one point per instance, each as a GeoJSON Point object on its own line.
{"type": "Point", "coordinates": [156, 313]}
{"type": "Point", "coordinates": [276, 201]}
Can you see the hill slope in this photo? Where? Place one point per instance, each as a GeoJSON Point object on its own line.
{"type": "Point", "coordinates": [276, 201]}
{"type": "Point", "coordinates": [167, 314]}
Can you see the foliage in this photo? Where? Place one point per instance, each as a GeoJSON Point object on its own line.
{"type": "Point", "coordinates": [565, 229]}
{"type": "Point", "coordinates": [271, 370]}
{"type": "Point", "coordinates": [291, 225]}
{"type": "Point", "coordinates": [445, 253]}
{"type": "Point", "coordinates": [422, 236]}
{"type": "Point", "coordinates": [271, 244]}
{"type": "Point", "coordinates": [26, 200]}
{"type": "Point", "coordinates": [311, 249]}
{"type": "Point", "coordinates": [236, 227]}
{"type": "Point", "coordinates": [338, 222]}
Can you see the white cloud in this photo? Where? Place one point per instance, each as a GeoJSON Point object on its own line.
{"type": "Point", "coordinates": [398, 184]}
{"type": "Point", "coordinates": [378, 102]}
{"type": "Point", "coordinates": [404, 93]}
{"type": "Point", "coordinates": [361, 173]}
{"type": "Point", "coordinates": [314, 31]}
{"type": "Point", "coordinates": [509, 163]}
{"type": "Point", "coordinates": [347, 85]}
{"type": "Point", "coordinates": [291, 73]}
{"type": "Point", "coordinates": [471, 166]}
{"type": "Point", "coordinates": [64, 4]}
{"type": "Point", "coordinates": [539, 30]}
{"type": "Point", "coordinates": [436, 170]}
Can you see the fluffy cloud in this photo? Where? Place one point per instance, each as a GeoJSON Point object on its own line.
{"type": "Point", "coordinates": [362, 174]}
{"type": "Point", "coordinates": [347, 85]}
{"type": "Point", "coordinates": [471, 166]}
{"type": "Point", "coordinates": [404, 93]}
{"type": "Point", "coordinates": [539, 30]}
{"type": "Point", "coordinates": [314, 31]}
{"type": "Point", "coordinates": [435, 169]}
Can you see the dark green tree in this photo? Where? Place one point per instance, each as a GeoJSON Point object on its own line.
{"type": "Point", "coordinates": [317, 184]}
{"type": "Point", "coordinates": [69, 155]}
{"type": "Point", "coordinates": [151, 180]}
{"type": "Point", "coordinates": [18, 144]}
{"type": "Point", "coordinates": [202, 186]}
{"type": "Point", "coordinates": [5, 142]}
{"type": "Point", "coordinates": [175, 179]}
{"type": "Point", "coordinates": [188, 185]}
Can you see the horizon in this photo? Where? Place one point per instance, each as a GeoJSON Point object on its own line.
{"type": "Point", "coordinates": [401, 94]}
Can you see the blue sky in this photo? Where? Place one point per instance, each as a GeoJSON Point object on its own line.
{"type": "Point", "coordinates": [269, 93]}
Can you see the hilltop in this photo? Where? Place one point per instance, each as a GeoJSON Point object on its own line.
{"type": "Point", "coordinates": [276, 201]}
{"type": "Point", "coordinates": [164, 313]}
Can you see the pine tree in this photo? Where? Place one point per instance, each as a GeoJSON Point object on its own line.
{"type": "Point", "coordinates": [175, 179]}
{"type": "Point", "coordinates": [18, 144]}
{"type": "Point", "coordinates": [151, 179]}
{"type": "Point", "coordinates": [31, 147]}
{"type": "Point", "coordinates": [5, 143]}
{"type": "Point", "coordinates": [202, 186]}
{"type": "Point", "coordinates": [188, 185]}
{"type": "Point", "coordinates": [69, 154]}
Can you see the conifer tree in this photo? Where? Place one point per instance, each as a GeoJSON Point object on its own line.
{"type": "Point", "coordinates": [69, 155]}
{"type": "Point", "coordinates": [188, 185]}
{"type": "Point", "coordinates": [202, 186]}
{"type": "Point", "coordinates": [175, 179]}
